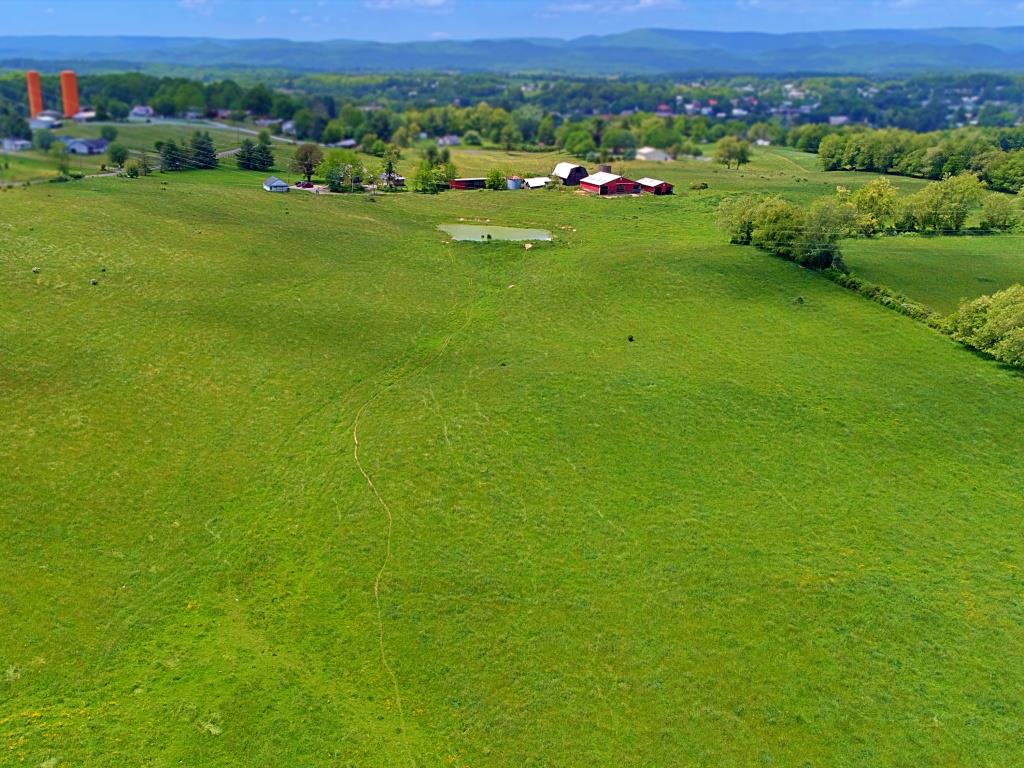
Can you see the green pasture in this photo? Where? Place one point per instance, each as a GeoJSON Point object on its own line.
{"type": "Point", "coordinates": [299, 482]}
{"type": "Point", "coordinates": [144, 136]}
{"type": "Point", "coordinates": [940, 271]}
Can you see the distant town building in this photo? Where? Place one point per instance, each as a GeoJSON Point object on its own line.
{"type": "Point", "coordinates": [451, 140]}
{"type": "Point", "coordinates": [142, 112]}
{"type": "Point", "coordinates": [16, 145]}
{"type": "Point", "coordinates": [652, 155]}
{"type": "Point", "coordinates": [84, 146]}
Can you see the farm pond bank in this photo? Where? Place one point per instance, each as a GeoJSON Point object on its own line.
{"type": "Point", "coordinates": [482, 233]}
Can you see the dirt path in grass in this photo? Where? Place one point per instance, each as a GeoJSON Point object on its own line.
{"type": "Point", "coordinates": [404, 374]}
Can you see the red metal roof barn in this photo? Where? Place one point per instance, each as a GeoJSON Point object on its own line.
{"type": "Point", "coordinates": [609, 184]}
{"type": "Point", "coordinates": [468, 183]}
{"type": "Point", "coordinates": [655, 186]}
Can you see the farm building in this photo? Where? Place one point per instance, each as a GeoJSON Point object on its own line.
{"type": "Point", "coordinates": [609, 184]}
{"type": "Point", "coordinates": [570, 174]}
{"type": "Point", "coordinates": [451, 140]}
{"type": "Point", "coordinates": [536, 182]}
{"type": "Point", "coordinates": [41, 121]}
{"type": "Point", "coordinates": [142, 112]}
{"type": "Point", "coordinates": [652, 155]}
{"type": "Point", "coordinates": [654, 186]}
{"type": "Point", "coordinates": [16, 145]}
{"type": "Point", "coordinates": [274, 184]}
{"type": "Point", "coordinates": [84, 146]}
{"type": "Point", "coordinates": [475, 183]}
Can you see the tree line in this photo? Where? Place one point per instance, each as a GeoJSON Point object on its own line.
{"type": "Point", "coordinates": [810, 235]}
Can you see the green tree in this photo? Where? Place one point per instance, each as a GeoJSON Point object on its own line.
{"type": "Point", "coordinates": [778, 227]}
{"type": "Point", "coordinates": [825, 222]}
{"type": "Point", "coordinates": [999, 212]}
{"type": "Point", "coordinates": [876, 204]}
{"type": "Point", "coordinates": [307, 158]}
{"type": "Point", "coordinates": [736, 217]}
{"type": "Point", "coordinates": [43, 139]}
{"type": "Point", "coordinates": [117, 154]}
{"type": "Point", "coordinates": [389, 166]}
{"type": "Point", "coordinates": [993, 324]}
{"type": "Point", "coordinates": [203, 154]}
{"type": "Point", "coordinates": [495, 180]}
{"type": "Point", "coordinates": [172, 157]}
{"type": "Point", "coordinates": [244, 155]}
{"type": "Point", "coordinates": [263, 154]}
{"type": "Point", "coordinates": [108, 132]}
{"type": "Point", "coordinates": [60, 153]}
{"type": "Point", "coordinates": [729, 150]}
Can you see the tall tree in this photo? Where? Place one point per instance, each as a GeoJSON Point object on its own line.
{"type": "Point", "coordinates": [307, 158]}
{"type": "Point", "coordinates": [203, 153]}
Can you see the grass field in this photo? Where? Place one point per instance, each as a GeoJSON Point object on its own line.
{"type": "Point", "coordinates": [940, 271]}
{"type": "Point", "coordinates": [143, 136]}
{"type": "Point", "coordinates": [301, 483]}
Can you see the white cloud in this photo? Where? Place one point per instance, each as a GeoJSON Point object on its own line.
{"type": "Point", "coordinates": [610, 6]}
{"type": "Point", "coordinates": [397, 5]}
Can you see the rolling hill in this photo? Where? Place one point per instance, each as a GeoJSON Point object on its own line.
{"type": "Point", "coordinates": [636, 52]}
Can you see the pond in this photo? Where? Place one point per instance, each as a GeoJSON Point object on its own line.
{"type": "Point", "coordinates": [481, 233]}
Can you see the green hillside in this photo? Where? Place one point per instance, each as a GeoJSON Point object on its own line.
{"type": "Point", "coordinates": [299, 482]}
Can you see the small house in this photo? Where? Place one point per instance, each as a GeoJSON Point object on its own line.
{"type": "Point", "coordinates": [85, 146]}
{"type": "Point", "coordinates": [392, 180]}
{"type": "Point", "coordinates": [609, 184]}
{"type": "Point", "coordinates": [16, 145]}
{"type": "Point", "coordinates": [451, 140]}
{"type": "Point", "coordinates": [570, 174]}
{"type": "Point", "coordinates": [44, 122]}
{"type": "Point", "coordinates": [652, 155]}
{"type": "Point", "coordinates": [474, 183]}
{"type": "Point", "coordinates": [142, 112]}
{"type": "Point", "coordinates": [274, 184]}
{"type": "Point", "coordinates": [536, 182]}
{"type": "Point", "coordinates": [654, 186]}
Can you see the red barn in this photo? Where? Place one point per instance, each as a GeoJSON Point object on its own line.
{"type": "Point", "coordinates": [468, 183]}
{"type": "Point", "coordinates": [655, 186]}
{"type": "Point", "coordinates": [609, 184]}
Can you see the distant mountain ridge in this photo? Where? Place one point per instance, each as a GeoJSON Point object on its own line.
{"type": "Point", "coordinates": [636, 52]}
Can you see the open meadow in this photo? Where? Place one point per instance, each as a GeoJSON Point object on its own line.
{"type": "Point", "coordinates": [298, 481]}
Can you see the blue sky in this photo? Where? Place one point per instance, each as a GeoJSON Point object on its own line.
{"type": "Point", "coordinates": [440, 19]}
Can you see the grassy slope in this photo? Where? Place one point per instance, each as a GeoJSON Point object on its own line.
{"type": "Point", "coordinates": [940, 271]}
{"type": "Point", "coordinates": [764, 532]}
{"type": "Point", "coordinates": [140, 136]}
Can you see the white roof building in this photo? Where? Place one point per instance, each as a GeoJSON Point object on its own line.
{"type": "Point", "coordinates": [564, 170]}
{"type": "Point", "coordinates": [652, 155]}
{"type": "Point", "coordinates": [600, 179]}
{"type": "Point", "coordinates": [536, 182]}
{"type": "Point", "coordinates": [274, 184]}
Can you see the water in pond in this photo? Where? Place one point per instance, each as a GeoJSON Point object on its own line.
{"type": "Point", "coordinates": [484, 232]}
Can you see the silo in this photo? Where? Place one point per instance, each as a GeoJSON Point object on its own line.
{"type": "Point", "coordinates": [69, 91]}
{"type": "Point", "coordinates": [35, 93]}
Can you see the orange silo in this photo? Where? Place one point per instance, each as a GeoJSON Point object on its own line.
{"type": "Point", "coordinates": [69, 91]}
{"type": "Point", "coordinates": [35, 93]}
